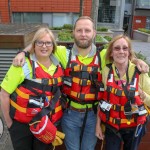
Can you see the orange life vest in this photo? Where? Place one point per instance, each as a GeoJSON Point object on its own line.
{"type": "Point", "coordinates": [34, 94]}
{"type": "Point", "coordinates": [122, 108]}
{"type": "Point", "coordinates": [83, 83]}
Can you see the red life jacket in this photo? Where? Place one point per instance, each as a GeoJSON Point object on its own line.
{"type": "Point", "coordinates": [82, 83]}
{"type": "Point", "coordinates": [34, 94]}
{"type": "Point", "coordinates": [123, 112]}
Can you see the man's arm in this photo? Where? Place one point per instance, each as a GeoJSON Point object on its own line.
{"type": "Point", "coordinates": [141, 65]}
{"type": "Point", "coordinates": [19, 60]}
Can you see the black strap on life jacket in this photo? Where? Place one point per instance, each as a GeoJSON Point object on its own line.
{"type": "Point", "coordinates": [99, 49]}
{"type": "Point", "coordinates": [47, 110]}
{"type": "Point", "coordinates": [31, 85]}
{"type": "Point", "coordinates": [83, 127]}
{"type": "Point", "coordinates": [70, 53]}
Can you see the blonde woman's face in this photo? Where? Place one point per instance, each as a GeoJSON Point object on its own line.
{"type": "Point", "coordinates": [43, 46]}
{"type": "Point", "coordinates": [120, 51]}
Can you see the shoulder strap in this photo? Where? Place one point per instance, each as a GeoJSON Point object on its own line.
{"type": "Point", "coordinates": [70, 53]}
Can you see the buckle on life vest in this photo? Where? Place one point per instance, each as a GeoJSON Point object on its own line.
{"type": "Point", "coordinates": [83, 68]}
{"type": "Point", "coordinates": [45, 81]}
{"type": "Point", "coordinates": [118, 92]}
{"type": "Point", "coordinates": [68, 81]}
{"type": "Point", "coordinates": [116, 107]}
{"type": "Point", "coordinates": [109, 88]}
{"type": "Point", "coordinates": [80, 96]}
{"type": "Point", "coordinates": [55, 81]}
{"type": "Point", "coordinates": [120, 121]}
{"type": "Point", "coordinates": [116, 121]}
{"type": "Point", "coordinates": [131, 93]}
{"type": "Point", "coordinates": [85, 82]}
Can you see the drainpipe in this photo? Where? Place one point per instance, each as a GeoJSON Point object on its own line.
{"type": "Point", "coordinates": [132, 18]}
{"type": "Point", "coordinates": [81, 7]}
{"type": "Point", "coordinates": [9, 10]}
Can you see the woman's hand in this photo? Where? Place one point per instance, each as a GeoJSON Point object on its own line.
{"type": "Point", "coordinates": [99, 132]}
{"type": "Point", "coordinates": [9, 122]}
{"type": "Point", "coordinates": [142, 94]}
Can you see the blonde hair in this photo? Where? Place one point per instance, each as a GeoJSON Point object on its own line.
{"type": "Point", "coordinates": [39, 34]}
{"type": "Point", "coordinates": [82, 18]}
{"type": "Point", "coordinates": [110, 47]}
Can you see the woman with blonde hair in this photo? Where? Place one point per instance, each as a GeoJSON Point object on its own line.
{"type": "Point", "coordinates": [30, 96]}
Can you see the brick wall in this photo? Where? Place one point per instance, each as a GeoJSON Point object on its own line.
{"type": "Point", "coordinates": [43, 6]}
{"type": "Point", "coordinates": [4, 15]}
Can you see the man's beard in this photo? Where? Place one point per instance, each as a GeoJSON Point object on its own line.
{"type": "Point", "coordinates": [83, 44]}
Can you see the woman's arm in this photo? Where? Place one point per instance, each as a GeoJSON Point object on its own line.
{"type": "Point", "coordinates": [5, 106]}
{"type": "Point", "coordinates": [98, 131]}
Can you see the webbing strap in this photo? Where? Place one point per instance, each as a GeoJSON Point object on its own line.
{"type": "Point", "coordinates": [83, 127]}
{"type": "Point", "coordinates": [120, 121]}
{"type": "Point", "coordinates": [83, 82]}
{"type": "Point", "coordinates": [82, 96]}
{"type": "Point", "coordinates": [85, 68]}
{"type": "Point", "coordinates": [27, 96]}
{"type": "Point", "coordinates": [24, 110]}
{"type": "Point", "coordinates": [47, 110]}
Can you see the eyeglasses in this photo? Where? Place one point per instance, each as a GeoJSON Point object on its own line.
{"type": "Point", "coordinates": [41, 43]}
{"type": "Point", "coordinates": [119, 48]}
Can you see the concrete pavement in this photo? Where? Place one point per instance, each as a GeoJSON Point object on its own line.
{"type": "Point", "coordinates": [138, 46]}
{"type": "Point", "coordinates": [143, 48]}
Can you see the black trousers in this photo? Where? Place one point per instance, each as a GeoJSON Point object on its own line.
{"type": "Point", "coordinates": [130, 142]}
{"type": "Point", "coordinates": [23, 139]}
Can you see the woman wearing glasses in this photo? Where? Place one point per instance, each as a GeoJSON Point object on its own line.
{"type": "Point", "coordinates": [30, 97]}
{"type": "Point", "coordinates": [122, 108]}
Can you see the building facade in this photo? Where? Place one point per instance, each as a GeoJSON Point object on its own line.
{"type": "Point", "coordinates": [52, 11]}
{"type": "Point", "coordinates": [114, 14]}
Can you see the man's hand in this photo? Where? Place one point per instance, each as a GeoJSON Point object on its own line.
{"type": "Point", "coordinates": [19, 60]}
{"type": "Point", "coordinates": [141, 65]}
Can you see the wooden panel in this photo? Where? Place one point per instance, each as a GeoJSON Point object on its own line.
{"type": "Point", "coordinates": [17, 35]}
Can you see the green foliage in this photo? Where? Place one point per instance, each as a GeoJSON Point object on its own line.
{"type": "Point", "coordinates": [100, 39]}
{"type": "Point", "coordinates": [56, 28]}
{"type": "Point", "coordinates": [65, 36]}
{"type": "Point", "coordinates": [68, 26]}
{"type": "Point", "coordinates": [102, 29]}
{"type": "Point", "coordinates": [140, 56]}
{"type": "Point", "coordinates": [108, 38]}
{"type": "Point", "coordinates": [144, 30]}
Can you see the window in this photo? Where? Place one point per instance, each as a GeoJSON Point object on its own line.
{"type": "Point", "coordinates": [143, 4]}
{"type": "Point", "coordinates": [27, 17]}
{"type": "Point", "coordinates": [106, 11]}
{"type": "Point", "coordinates": [52, 19]}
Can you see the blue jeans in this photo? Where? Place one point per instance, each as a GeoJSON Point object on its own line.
{"type": "Point", "coordinates": [72, 122]}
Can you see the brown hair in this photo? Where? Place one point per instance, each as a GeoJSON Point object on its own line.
{"type": "Point", "coordinates": [42, 32]}
{"type": "Point", "coordinates": [84, 17]}
{"type": "Point", "coordinates": [110, 47]}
